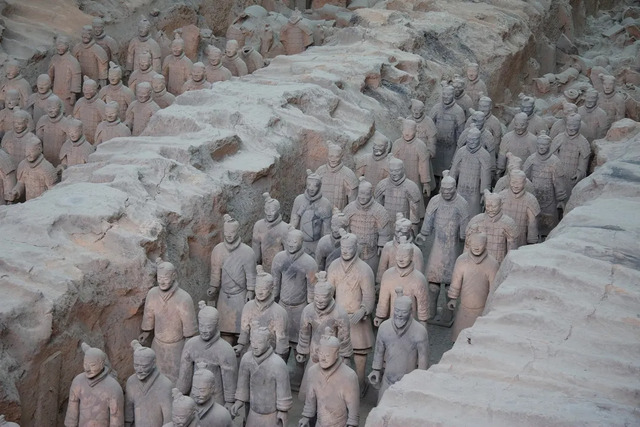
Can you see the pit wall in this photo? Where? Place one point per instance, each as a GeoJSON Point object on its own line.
{"type": "Point", "coordinates": [76, 263]}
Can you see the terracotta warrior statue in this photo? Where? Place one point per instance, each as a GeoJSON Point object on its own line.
{"type": "Point", "coordinates": [399, 195]}
{"type": "Point", "coordinates": [215, 71]}
{"type": "Point", "coordinates": [105, 41]}
{"type": "Point", "coordinates": [269, 233]}
{"type": "Point", "coordinates": [295, 35]}
{"type": "Point", "coordinates": [311, 213]}
{"type": "Point", "coordinates": [487, 141]}
{"type": "Point", "coordinates": [52, 130]}
{"type": "Point", "coordinates": [402, 345]}
{"type": "Point", "coordinates": [233, 279]}
{"type": "Point", "coordinates": [15, 141]}
{"type": "Point", "coordinates": [141, 110]}
{"type": "Point", "coordinates": [94, 61]}
{"type": "Point", "coordinates": [339, 183]}
{"type": "Point", "coordinates": [7, 177]}
{"type": "Point", "coordinates": [333, 394]}
{"type": "Point", "coordinates": [14, 80]}
{"type": "Point", "coordinates": [148, 392]}
{"type": "Point", "coordinates": [270, 45]}
{"type": "Point", "coordinates": [170, 315]}
{"type": "Point", "coordinates": [595, 123]}
{"type": "Point", "coordinates": [184, 412]}
{"type": "Point", "coordinates": [513, 163]}
{"type": "Point", "coordinates": [462, 99]}
{"type": "Point", "coordinates": [198, 80]}
{"type": "Point", "coordinates": [574, 152]}
{"type": "Point", "coordinates": [521, 206]}
{"type": "Point", "coordinates": [176, 67]}
{"type": "Point", "coordinates": [536, 124]}
{"type": "Point", "coordinates": [252, 58]}
{"type": "Point", "coordinates": [12, 104]}
{"type": "Point", "coordinates": [471, 168]}
{"type": "Point", "coordinates": [263, 311]}
{"type": "Point", "coordinates": [35, 174]}
{"type": "Point", "coordinates": [111, 127]}
{"type": "Point", "coordinates": [294, 277]}
{"type": "Point", "coordinates": [95, 397]}
{"type": "Point", "coordinates": [116, 91]}
{"type": "Point", "coordinates": [475, 85]}
{"type": "Point", "coordinates": [519, 142]}
{"type": "Point", "coordinates": [89, 109]}
{"type": "Point", "coordinates": [144, 73]}
{"type": "Point", "coordinates": [232, 61]}
{"type": "Point", "coordinates": [374, 166]}
{"type": "Point", "coordinates": [501, 230]}
{"type": "Point", "coordinates": [263, 383]}
{"type": "Point", "coordinates": [160, 95]}
{"type": "Point", "coordinates": [210, 412]}
{"type": "Point", "coordinates": [425, 128]}
{"type": "Point", "coordinates": [64, 70]}
{"type": "Point", "coordinates": [449, 120]}
{"type": "Point", "coordinates": [560, 125]}
{"type": "Point", "coordinates": [471, 281]}
{"type": "Point", "coordinates": [404, 233]}
{"type": "Point", "coordinates": [612, 102]}
{"type": "Point", "coordinates": [446, 219]}
{"type": "Point", "coordinates": [143, 42]}
{"type": "Point", "coordinates": [37, 102]}
{"type": "Point", "coordinates": [416, 157]}
{"type": "Point", "coordinates": [545, 171]}
{"type": "Point", "coordinates": [370, 222]}
{"type": "Point", "coordinates": [328, 248]}
{"type": "Point", "coordinates": [485, 105]}
{"type": "Point", "coordinates": [76, 149]}
{"type": "Point", "coordinates": [217, 354]}
{"type": "Point", "coordinates": [354, 282]}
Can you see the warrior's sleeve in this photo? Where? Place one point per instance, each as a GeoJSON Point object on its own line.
{"type": "Point", "coordinates": [116, 408]}
{"type": "Point", "coordinates": [304, 335]}
{"type": "Point", "coordinates": [229, 370]}
{"type": "Point", "coordinates": [422, 300]}
{"type": "Point", "coordinates": [186, 371]}
{"type": "Point", "coordinates": [244, 377]}
{"type": "Point", "coordinates": [456, 279]}
{"type": "Point", "coordinates": [284, 400]}
{"type": "Point", "coordinates": [423, 349]}
{"type": "Point", "coordinates": [73, 408]}
{"type": "Point", "coordinates": [378, 352]}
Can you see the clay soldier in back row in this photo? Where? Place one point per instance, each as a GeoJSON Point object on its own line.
{"type": "Point", "coordinates": [270, 45]}
{"type": "Point", "coordinates": [111, 127]}
{"type": "Point", "coordinates": [144, 73]}
{"type": "Point", "coordinates": [184, 412]}
{"type": "Point", "coordinates": [535, 122]}
{"type": "Point", "coordinates": [52, 130]}
{"type": "Point", "coordinates": [560, 125]}
{"type": "Point", "coordinates": [35, 174]}
{"type": "Point", "coordinates": [521, 206]}
{"type": "Point", "coordinates": [160, 95]}
{"type": "Point", "coordinates": [612, 102]}
{"type": "Point", "coordinates": [198, 80]}
{"type": "Point", "coordinates": [446, 218]}
{"type": "Point", "coordinates": [519, 142]}
{"type": "Point", "coordinates": [339, 183]}
{"type": "Point", "coordinates": [404, 233]}
{"type": "Point", "coordinates": [400, 195]}
{"type": "Point", "coordinates": [462, 99]}
{"type": "Point", "coordinates": [487, 140]}
{"type": "Point", "coordinates": [425, 128]}
{"type": "Point", "coordinates": [176, 67]}
{"type": "Point", "coordinates": [328, 248]}
{"type": "Point", "coordinates": [416, 157]}
{"type": "Point", "coordinates": [7, 177]}
{"type": "Point", "coordinates": [449, 120]}
{"type": "Point", "coordinates": [374, 166]}
{"type": "Point", "coordinates": [295, 35]}
{"type": "Point", "coordinates": [15, 141]}
{"type": "Point", "coordinates": [491, 122]}
{"type": "Point", "coordinates": [311, 213]}
{"type": "Point", "coordinates": [574, 152]}
{"type": "Point", "coordinates": [594, 118]}
{"type": "Point", "coordinates": [233, 279]}
{"type": "Point", "coordinates": [215, 71]}
{"type": "Point", "coordinates": [269, 233]}
{"type": "Point", "coordinates": [513, 163]}
{"type": "Point", "coordinates": [143, 42]}
{"type": "Point", "coordinates": [94, 61]}
{"type": "Point", "coordinates": [89, 109]}
{"type": "Point", "coordinates": [232, 61]}
{"type": "Point", "coordinates": [116, 91]}
{"type": "Point", "coordinates": [65, 74]}
{"type": "Point", "coordinates": [17, 82]}
{"type": "Point", "coordinates": [170, 315]}
{"type": "Point", "coordinates": [476, 87]}
{"type": "Point", "coordinates": [76, 149]}
{"type": "Point", "coordinates": [141, 110]}
{"type": "Point", "coordinates": [95, 397]}
{"type": "Point", "coordinates": [37, 103]}
{"type": "Point", "coordinates": [106, 42]}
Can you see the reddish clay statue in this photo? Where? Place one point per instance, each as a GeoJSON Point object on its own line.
{"type": "Point", "coordinates": [501, 230]}
{"type": "Point", "coordinates": [215, 71]}
{"type": "Point", "coordinates": [233, 278]}
{"type": "Point", "coordinates": [462, 99]}
{"type": "Point", "coordinates": [210, 412]}
{"type": "Point", "coordinates": [35, 174]}
{"type": "Point", "coordinates": [475, 85]}
{"type": "Point", "coordinates": [232, 61]}
{"type": "Point", "coordinates": [14, 142]}
{"type": "Point", "coordinates": [574, 152]}
{"type": "Point", "coordinates": [399, 195]}
{"type": "Point", "coordinates": [560, 125]}
{"type": "Point", "coordinates": [354, 282]}
{"type": "Point", "coordinates": [198, 80]}
{"type": "Point", "coordinates": [485, 105]}
{"type": "Point", "coordinates": [169, 313]}
{"type": "Point", "coordinates": [94, 61]}
{"type": "Point", "coordinates": [416, 157]}
{"type": "Point", "coordinates": [116, 91]}
{"type": "Point", "coordinates": [160, 95]}
{"type": "Point", "coordinates": [89, 109]}
{"type": "Point", "coordinates": [295, 35]}
{"type": "Point", "coordinates": [425, 128]}
{"type": "Point", "coordinates": [111, 127]}
{"type": "Point", "coordinates": [263, 311]}
{"type": "Point", "coordinates": [472, 279]}
{"type": "Point", "coordinates": [141, 110]}
{"type": "Point", "coordinates": [143, 42]}
{"type": "Point", "coordinates": [449, 120]}
{"type": "Point", "coordinates": [106, 42]}
{"type": "Point", "coordinates": [594, 118]}
{"type": "Point", "coordinates": [217, 354]}
{"type": "Point", "coordinates": [522, 207]}
{"type": "Point", "coordinates": [7, 177]}
{"type": "Point", "coordinates": [37, 102]}
{"type": "Point", "coordinates": [270, 45]}
{"type": "Point", "coordinates": [76, 149]}
{"type": "Point", "coordinates": [519, 142]}
{"type": "Point", "coordinates": [311, 213]}
{"type": "Point", "coordinates": [184, 412]}
{"type": "Point", "coordinates": [402, 345]}
{"type": "Point", "coordinates": [252, 58]}
{"type": "Point", "coordinates": [12, 104]}
{"type": "Point", "coordinates": [148, 392]}
{"type": "Point", "coordinates": [332, 394]}
{"type": "Point", "coordinates": [263, 382]}
{"type": "Point", "coordinates": [374, 166]}
{"type": "Point", "coordinates": [17, 82]}
{"type": "Point", "coordinates": [176, 67]}
{"type": "Point", "coordinates": [339, 183]}
{"type": "Point", "coordinates": [513, 163]}
{"type": "Point", "coordinates": [144, 73]}
{"type": "Point", "coordinates": [471, 168]}
{"type": "Point", "coordinates": [328, 248]}
{"type": "Point", "coordinates": [269, 233]}
{"type": "Point", "coordinates": [446, 218]}
{"type": "Point", "coordinates": [52, 130]}
{"type": "Point", "coordinates": [612, 102]}
{"type": "Point", "coordinates": [64, 70]}
{"type": "Point", "coordinates": [545, 171]}
{"type": "Point", "coordinates": [95, 397]}
{"type": "Point", "coordinates": [536, 124]}
{"type": "Point", "coordinates": [404, 233]}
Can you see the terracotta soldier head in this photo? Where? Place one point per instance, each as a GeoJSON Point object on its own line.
{"type": "Point", "coordinates": [12, 69]}
{"type": "Point", "coordinates": [408, 130]}
{"type": "Point", "coordinates": [20, 120]}
{"type": "Point", "coordinates": [293, 241]}
{"type": "Point", "coordinates": [334, 156]}
{"type": "Point", "coordinates": [158, 83]}
{"type": "Point", "coordinates": [97, 25]}
{"type": "Point", "coordinates": [478, 118]}
{"type": "Point", "coordinates": [396, 169]}
{"type": "Point", "coordinates": [447, 186]}
{"type": "Point", "coordinates": [183, 409]}
{"type": "Point", "coordinates": [143, 92]}
{"type": "Point", "coordinates": [264, 284]}
{"type": "Point", "coordinates": [198, 72]}
{"type": "Point", "coordinates": [338, 221]}
{"type": "Point", "coordinates": [328, 352]}
{"type": "Point", "coordinates": [87, 34]}
{"type": "Point", "coordinates": [323, 292]}
{"type": "Point", "coordinates": [54, 107]}
{"type": "Point", "coordinates": [33, 150]}
{"type": "Point", "coordinates": [144, 360]}
{"type": "Point", "coordinates": [492, 203]}
{"type": "Point", "coordinates": [527, 104]}
{"type": "Point", "coordinates": [314, 183]}
{"type": "Point", "coordinates": [348, 245]}
{"type": "Point", "coordinates": [214, 55]}
{"type": "Point", "coordinates": [543, 143]}
{"type": "Point", "coordinates": [417, 109]}
{"type": "Point", "coordinates": [202, 386]}
{"type": "Point", "coordinates": [520, 123]}
{"type": "Point", "coordinates": [448, 94]}
{"type": "Point", "coordinates": [260, 340]}
{"type": "Point", "coordinates": [230, 229]}
{"type": "Point", "coordinates": [62, 44]}
{"type": "Point", "coordinates": [403, 228]}
{"type": "Point", "coordinates": [89, 88]}
{"type": "Point", "coordinates": [144, 27]}
{"type": "Point", "coordinates": [115, 73]}
{"type": "Point", "coordinates": [569, 108]}
{"type": "Point", "coordinates": [12, 99]}
{"type": "Point", "coordinates": [43, 83]}
{"type": "Point", "coordinates": [365, 192]}
{"type": "Point", "coordinates": [608, 83]}
{"type": "Point", "coordinates": [458, 86]}
{"type": "Point", "coordinates": [271, 208]}
{"type": "Point", "coordinates": [473, 139]}
{"type": "Point", "coordinates": [513, 162]}
{"type": "Point", "coordinates": [144, 61]}
{"type": "Point", "coordinates": [207, 321]}
{"type": "Point", "coordinates": [111, 111]}
{"type": "Point", "coordinates": [485, 104]}
{"type": "Point", "coordinates": [478, 243]}
{"type": "Point", "coordinates": [381, 147]}
{"type": "Point", "coordinates": [402, 308]}
{"type": "Point", "coordinates": [404, 255]}
{"type": "Point", "coordinates": [231, 48]}
{"type": "Point", "coordinates": [94, 360]}
{"type": "Point", "coordinates": [177, 45]}
{"type": "Point", "coordinates": [74, 129]}
{"type": "Point", "coordinates": [591, 99]}
{"type": "Point", "coordinates": [573, 124]}
{"type": "Point", "coordinates": [166, 275]}
{"type": "Point", "coordinates": [473, 71]}
{"type": "Point", "coordinates": [517, 181]}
